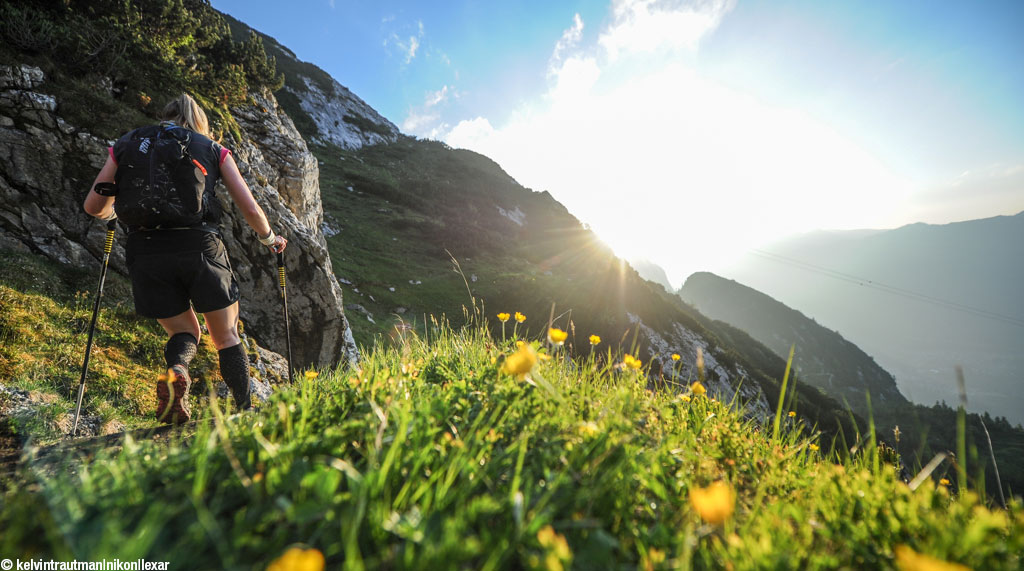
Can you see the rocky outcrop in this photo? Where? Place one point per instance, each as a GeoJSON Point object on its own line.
{"type": "Point", "coordinates": [342, 118]}
{"type": "Point", "coordinates": [724, 382]}
{"type": "Point", "coordinates": [48, 165]}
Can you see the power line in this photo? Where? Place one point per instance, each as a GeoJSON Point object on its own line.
{"type": "Point", "coordinates": [902, 292]}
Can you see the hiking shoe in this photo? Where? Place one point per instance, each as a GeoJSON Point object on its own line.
{"type": "Point", "coordinates": [172, 396]}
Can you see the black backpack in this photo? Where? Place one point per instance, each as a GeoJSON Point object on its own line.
{"type": "Point", "coordinates": [159, 184]}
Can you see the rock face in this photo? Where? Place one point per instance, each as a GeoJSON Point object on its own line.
{"type": "Point", "coordinates": [720, 380]}
{"type": "Point", "coordinates": [342, 118]}
{"type": "Point", "coordinates": [48, 165]}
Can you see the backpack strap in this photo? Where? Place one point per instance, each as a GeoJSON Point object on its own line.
{"type": "Point", "coordinates": [184, 138]}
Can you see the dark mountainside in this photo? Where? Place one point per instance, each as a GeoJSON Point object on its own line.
{"type": "Point", "coordinates": [921, 299]}
{"type": "Point", "coordinates": [824, 359]}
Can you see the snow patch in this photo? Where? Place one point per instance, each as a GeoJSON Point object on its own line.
{"type": "Point", "coordinates": [517, 215]}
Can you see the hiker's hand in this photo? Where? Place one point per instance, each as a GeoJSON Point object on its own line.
{"type": "Point", "coordinates": [280, 242]}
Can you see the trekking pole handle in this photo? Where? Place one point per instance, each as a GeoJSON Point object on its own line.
{"type": "Point", "coordinates": [280, 270]}
{"type": "Point", "coordinates": [109, 244]}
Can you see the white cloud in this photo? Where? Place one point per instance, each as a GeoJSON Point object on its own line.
{"type": "Point", "coordinates": [414, 44]}
{"type": "Point", "coordinates": [423, 120]}
{"type": "Point", "coordinates": [407, 45]}
{"type": "Point", "coordinates": [570, 38]}
{"type": "Point", "coordinates": [646, 26]}
{"type": "Point", "coordinates": [663, 162]}
{"type": "Point", "coordinates": [436, 97]}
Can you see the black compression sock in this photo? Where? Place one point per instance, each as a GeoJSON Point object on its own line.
{"type": "Point", "coordinates": [234, 367]}
{"type": "Point", "coordinates": [180, 350]}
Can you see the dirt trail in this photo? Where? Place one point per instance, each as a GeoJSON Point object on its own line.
{"type": "Point", "coordinates": [13, 455]}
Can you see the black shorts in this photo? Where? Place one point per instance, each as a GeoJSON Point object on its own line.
{"type": "Point", "coordinates": [173, 269]}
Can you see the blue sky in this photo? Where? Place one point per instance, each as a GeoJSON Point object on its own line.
{"type": "Point", "coordinates": [688, 132]}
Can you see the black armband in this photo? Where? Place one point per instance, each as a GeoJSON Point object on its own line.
{"type": "Point", "coordinates": [105, 189]}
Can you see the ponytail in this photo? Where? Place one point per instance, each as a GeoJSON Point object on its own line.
{"type": "Point", "coordinates": [184, 111]}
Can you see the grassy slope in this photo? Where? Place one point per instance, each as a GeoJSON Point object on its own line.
{"type": "Point", "coordinates": [45, 310]}
{"type": "Point", "coordinates": [414, 204]}
{"type": "Point", "coordinates": [427, 457]}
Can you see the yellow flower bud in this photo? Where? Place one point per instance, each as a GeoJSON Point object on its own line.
{"type": "Point", "coordinates": [557, 336]}
{"type": "Point", "coordinates": [714, 503]}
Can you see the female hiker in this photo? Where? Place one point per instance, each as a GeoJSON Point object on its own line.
{"type": "Point", "coordinates": [159, 182]}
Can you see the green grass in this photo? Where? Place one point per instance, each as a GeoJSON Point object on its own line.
{"type": "Point", "coordinates": [45, 310]}
{"type": "Point", "coordinates": [428, 457]}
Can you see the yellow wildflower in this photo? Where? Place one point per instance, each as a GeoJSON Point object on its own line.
{"type": "Point", "coordinates": [814, 447]}
{"type": "Point", "coordinates": [298, 559]}
{"type": "Point", "coordinates": [589, 428]}
{"type": "Point", "coordinates": [557, 336]}
{"type": "Point", "coordinates": [944, 482]}
{"type": "Point", "coordinates": [698, 389]}
{"type": "Point", "coordinates": [520, 362]}
{"type": "Point", "coordinates": [554, 542]}
{"type": "Point", "coordinates": [312, 375]}
{"type": "Point", "coordinates": [676, 357]}
{"type": "Point", "coordinates": [520, 317]}
{"type": "Point", "coordinates": [909, 560]}
{"type": "Point", "coordinates": [792, 414]}
{"type": "Point", "coordinates": [594, 340]}
{"type": "Point", "coordinates": [714, 503]}
{"type": "Point", "coordinates": [503, 317]}
{"type": "Point", "coordinates": [631, 362]}
{"type": "Point", "coordinates": [684, 398]}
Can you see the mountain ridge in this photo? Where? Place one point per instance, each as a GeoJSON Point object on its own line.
{"type": "Point", "coordinates": [920, 298]}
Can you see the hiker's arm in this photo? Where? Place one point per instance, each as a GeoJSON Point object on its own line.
{"type": "Point", "coordinates": [243, 199]}
{"type": "Point", "coordinates": [96, 204]}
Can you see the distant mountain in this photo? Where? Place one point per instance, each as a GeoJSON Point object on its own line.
{"type": "Point", "coordinates": [921, 299]}
{"type": "Point", "coordinates": [823, 358]}
{"type": "Point", "coordinates": [837, 367]}
{"type": "Point", "coordinates": [652, 272]}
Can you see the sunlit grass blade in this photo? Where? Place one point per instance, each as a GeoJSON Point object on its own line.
{"type": "Point", "coordinates": [782, 394]}
{"type": "Point", "coordinates": [961, 431]}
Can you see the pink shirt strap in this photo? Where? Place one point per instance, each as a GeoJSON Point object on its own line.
{"type": "Point", "coordinates": [111, 151]}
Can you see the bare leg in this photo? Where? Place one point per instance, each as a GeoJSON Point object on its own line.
{"type": "Point", "coordinates": [223, 326]}
{"type": "Point", "coordinates": [185, 322]}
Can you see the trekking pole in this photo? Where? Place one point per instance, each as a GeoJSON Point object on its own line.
{"type": "Point", "coordinates": [284, 300]}
{"type": "Point", "coordinates": [107, 247]}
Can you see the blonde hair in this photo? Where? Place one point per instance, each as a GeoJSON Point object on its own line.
{"type": "Point", "coordinates": [184, 111]}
